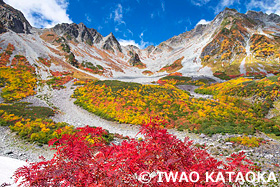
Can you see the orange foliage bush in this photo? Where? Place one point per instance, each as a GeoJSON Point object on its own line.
{"type": "Point", "coordinates": [175, 66]}
{"type": "Point", "coordinates": [5, 56]}
{"type": "Point", "coordinates": [19, 78]}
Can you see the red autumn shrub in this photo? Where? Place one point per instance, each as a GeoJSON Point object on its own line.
{"type": "Point", "coordinates": [176, 74]}
{"type": "Point", "coordinates": [79, 162]}
{"type": "Point", "coordinates": [5, 56]}
{"type": "Point", "coordinates": [161, 82]}
{"type": "Point", "coordinates": [60, 73]}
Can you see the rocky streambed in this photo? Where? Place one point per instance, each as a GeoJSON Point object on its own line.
{"type": "Point", "coordinates": [191, 88]}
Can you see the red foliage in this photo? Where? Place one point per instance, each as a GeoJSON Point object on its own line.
{"type": "Point", "coordinates": [273, 72]}
{"type": "Point", "coordinates": [218, 73]}
{"type": "Point", "coordinates": [20, 62]}
{"type": "Point", "coordinates": [234, 76]}
{"type": "Point", "coordinates": [175, 66]}
{"type": "Point", "coordinates": [161, 82]}
{"type": "Point", "coordinates": [80, 163]}
{"type": "Point", "coordinates": [175, 74]}
{"type": "Point", "coordinates": [45, 61]}
{"type": "Point", "coordinates": [95, 71]}
{"type": "Point", "coordinates": [61, 78]}
{"type": "Point", "coordinates": [61, 81]}
{"type": "Point", "coordinates": [5, 56]}
{"type": "Point", "coordinates": [60, 73]}
{"type": "Point", "coordinates": [88, 69]}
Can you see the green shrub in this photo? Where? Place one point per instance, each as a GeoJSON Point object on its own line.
{"type": "Point", "coordinates": [66, 48]}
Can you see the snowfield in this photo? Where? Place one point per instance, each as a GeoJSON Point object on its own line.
{"type": "Point", "coordinates": [7, 168]}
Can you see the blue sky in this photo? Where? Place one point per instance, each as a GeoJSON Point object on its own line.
{"type": "Point", "coordinates": [139, 22]}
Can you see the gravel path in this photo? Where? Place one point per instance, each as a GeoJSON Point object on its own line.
{"type": "Point", "coordinates": [78, 117]}
{"type": "Point", "coordinates": [73, 114]}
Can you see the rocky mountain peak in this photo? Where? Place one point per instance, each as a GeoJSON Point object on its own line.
{"type": "Point", "coordinates": [150, 48]}
{"type": "Point", "coordinates": [132, 47]}
{"type": "Point", "coordinates": [232, 10]}
{"type": "Point", "coordinates": [111, 43]}
{"type": "Point", "coordinates": [78, 32]}
{"type": "Point", "coordinates": [227, 12]}
{"type": "Point", "coordinates": [112, 39]}
{"type": "Point", "coordinates": [12, 19]}
{"type": "Point", "coordinates": [263, 18]}
{"type": "Point", "coordinates": [81, 24]}
{"type": "Point", "coordinates": [200, 29]}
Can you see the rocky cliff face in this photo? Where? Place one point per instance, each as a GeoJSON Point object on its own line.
{"type": "Point", "coordinates": [134, 60]}
{"type": "Point", "coordinates": [111, 43]}
{"type": "Point", "coordinates": [262, 18]}
{"type": "Point", "coordinates": [12, 19]}
{"type": "Point", "coordinates": [243, 43]}
{"type": "Point", "coordinates": [78, 32]}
